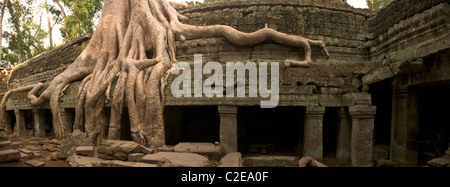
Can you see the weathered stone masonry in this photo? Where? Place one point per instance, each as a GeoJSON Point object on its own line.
{"type": "Point", "coordinates": [405, 46]}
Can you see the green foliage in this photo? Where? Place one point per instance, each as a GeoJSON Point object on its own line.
{"type": "Point", "coordinates": [80, 22]}
{"type": "Point", "coordinates": [376, 5]}
{"type": "Point", "coordinates": [25, 40]}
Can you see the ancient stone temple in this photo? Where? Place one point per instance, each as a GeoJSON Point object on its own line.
{"type": "Point", "coordinates": [380, 97]}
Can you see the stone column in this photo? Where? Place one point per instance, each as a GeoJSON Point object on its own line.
{"type": "Point", "coordinates": [405, 127]}
{"type": "Point", "coordinates": [20, 123]}
{"type": "Point", "coordinates": [344, 146]}
{"type": "Point", "coordinates": [313, 133]}
{"type": "Point", "coordinates": [228, 129]}
{"type": "Point", "coordinates": [39, 123]}
{"type": "Point", "coordinates": [67, 119]}
{"type": "Point", "coordinates": [362, 135]}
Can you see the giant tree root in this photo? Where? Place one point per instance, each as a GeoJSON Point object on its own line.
{"type": "Point", "coordinates": [117, 53]}
{"type": "Point", "coordinates": [3, 125]}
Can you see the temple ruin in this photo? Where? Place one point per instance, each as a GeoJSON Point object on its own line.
{"type": "Point", "coordinates": [380, 97]}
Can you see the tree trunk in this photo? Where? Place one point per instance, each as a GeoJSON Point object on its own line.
{"type": "Point", "coordinates": [63, 14]}
{"type": "Point", "coordinates": [2, 13]}
{"type": "Point", "coordinates": [50, 28]}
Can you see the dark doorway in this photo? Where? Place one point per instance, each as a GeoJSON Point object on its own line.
{"type": "Point", "coordinates": [12, 118]}
{"type": "Point", "coordinates": [330, 121]}
{"type": "Point", "coordinates": [270, 131]}
{"type": "Point", "coordinates": [434, 121]}
{"type": "Point", "coordinates": [29, 121]}
{"type": "Point", "coordinates": [382, 98]}
{"type": "Point", "coordinates": [191, 124]}
{"type": "Point", "coordinates": [125, 131]}
{"type": "Point", "coordinates": [48, 125]}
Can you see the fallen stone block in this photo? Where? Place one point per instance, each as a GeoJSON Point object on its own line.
{"type": "Point", "coordinates": [85, 151]}
{"type": "Point", "coordinates": [24, 156]}
{"type": "Point", "coordinates": [84, 161]}
{"type": "Point", "coordinates": [207, 149]}
{"type": "Point", "coordinates": [16, 145]}
{"type": "Point", "coordinates": [177, 159]}
{"type": "Point", "coordinates": [35, 163]}
{"type": "Point", "coordinates": [135, 157]}
{"type": "Point", "coordinates": [50, 147]}
{"type": "Point", "coordinates": [231, 160]}
{"type": "Point", "coordinates": [33, 147]}
{"type": "Point", "coordinates": [439, 162]}
{"type": "Point", "coordinates": [166, 149]}
{"type": "Point", "coordinates": [120, 149]}
{"type": "Point", "coordinates": [4, 145]}
{"type": "Point", "coordinates": [9, 155]}
{"type": "Point", "coordinates": [271, 161]}
{"type": "Point", "coordinates": [26, 151]}
{"type": "Point", "coordinates": [36, 154]}
{"type": "Point", "coordinates": [118, 163]}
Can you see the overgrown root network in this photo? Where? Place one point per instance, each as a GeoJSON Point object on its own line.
{"type": "Point", "coordinates": [117, 54]}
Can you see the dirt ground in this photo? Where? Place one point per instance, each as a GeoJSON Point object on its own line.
{"type": "Point", "coordinates": [35, 145]}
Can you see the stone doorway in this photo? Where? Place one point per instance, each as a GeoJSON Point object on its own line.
{"type": "Point", "coordinates": [434, 122]}
{"type": "Point", "coordinates": [330, 131]}
{"type": "Point", "coordinates": [276, 131]}
{"type": "Point", "coordinates": [191, 124]}
{"type": "Point", "coordinates": [382, 98]}
{"type": "Point", "coordinates": [48, 125]}
{"type": "Point", "coordinates": [11, 119]}
{"type": "Point", "coordinates": [382, 93]}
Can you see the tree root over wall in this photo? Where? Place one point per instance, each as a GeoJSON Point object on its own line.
{"type": "Point", "coordinates": [117, 53]}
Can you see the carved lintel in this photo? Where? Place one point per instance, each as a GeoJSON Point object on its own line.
{"type": "Point", "coordinates": [227, 110]}
{"type": "Point", "coordinates": [362, 111]}
{"type": "Point", "coordinates": [314, 111]}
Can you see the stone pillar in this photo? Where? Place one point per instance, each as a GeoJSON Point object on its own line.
{"type": "Point", "coordinates": [313, 133]}
{"type": "Point", "coordinates": [20, 123]}
{"type": "Point", "coordinates": [67, 119]}
{"type": "Point", "coordinates": [362, 135]}
{"type": "Point", "coordinates": [344, 146]}
{"type": "Point", "coordinates": [405, 127]}
{"type": "Point", "coordinates": [228, 129]}
{"type": "Point", "coordinates": [39, 123]}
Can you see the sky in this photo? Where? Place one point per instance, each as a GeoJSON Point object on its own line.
{"type": "Point", "coordinates": [358, 3]}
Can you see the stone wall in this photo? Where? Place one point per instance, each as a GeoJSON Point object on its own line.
{"type": "Point", "coordinates": [396, 46]}
{"type": "Point", "coordinates": [44, 67]}
{"type": "Point", "coordinates": [364, 49]}
{"type": "Point", "coordinates": [336, 23]}
{"type": "Point", "coordinates": [324, 83]}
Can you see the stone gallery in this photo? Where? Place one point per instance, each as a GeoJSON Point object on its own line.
{"type": "Point", "coordinates": [353, 88]}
